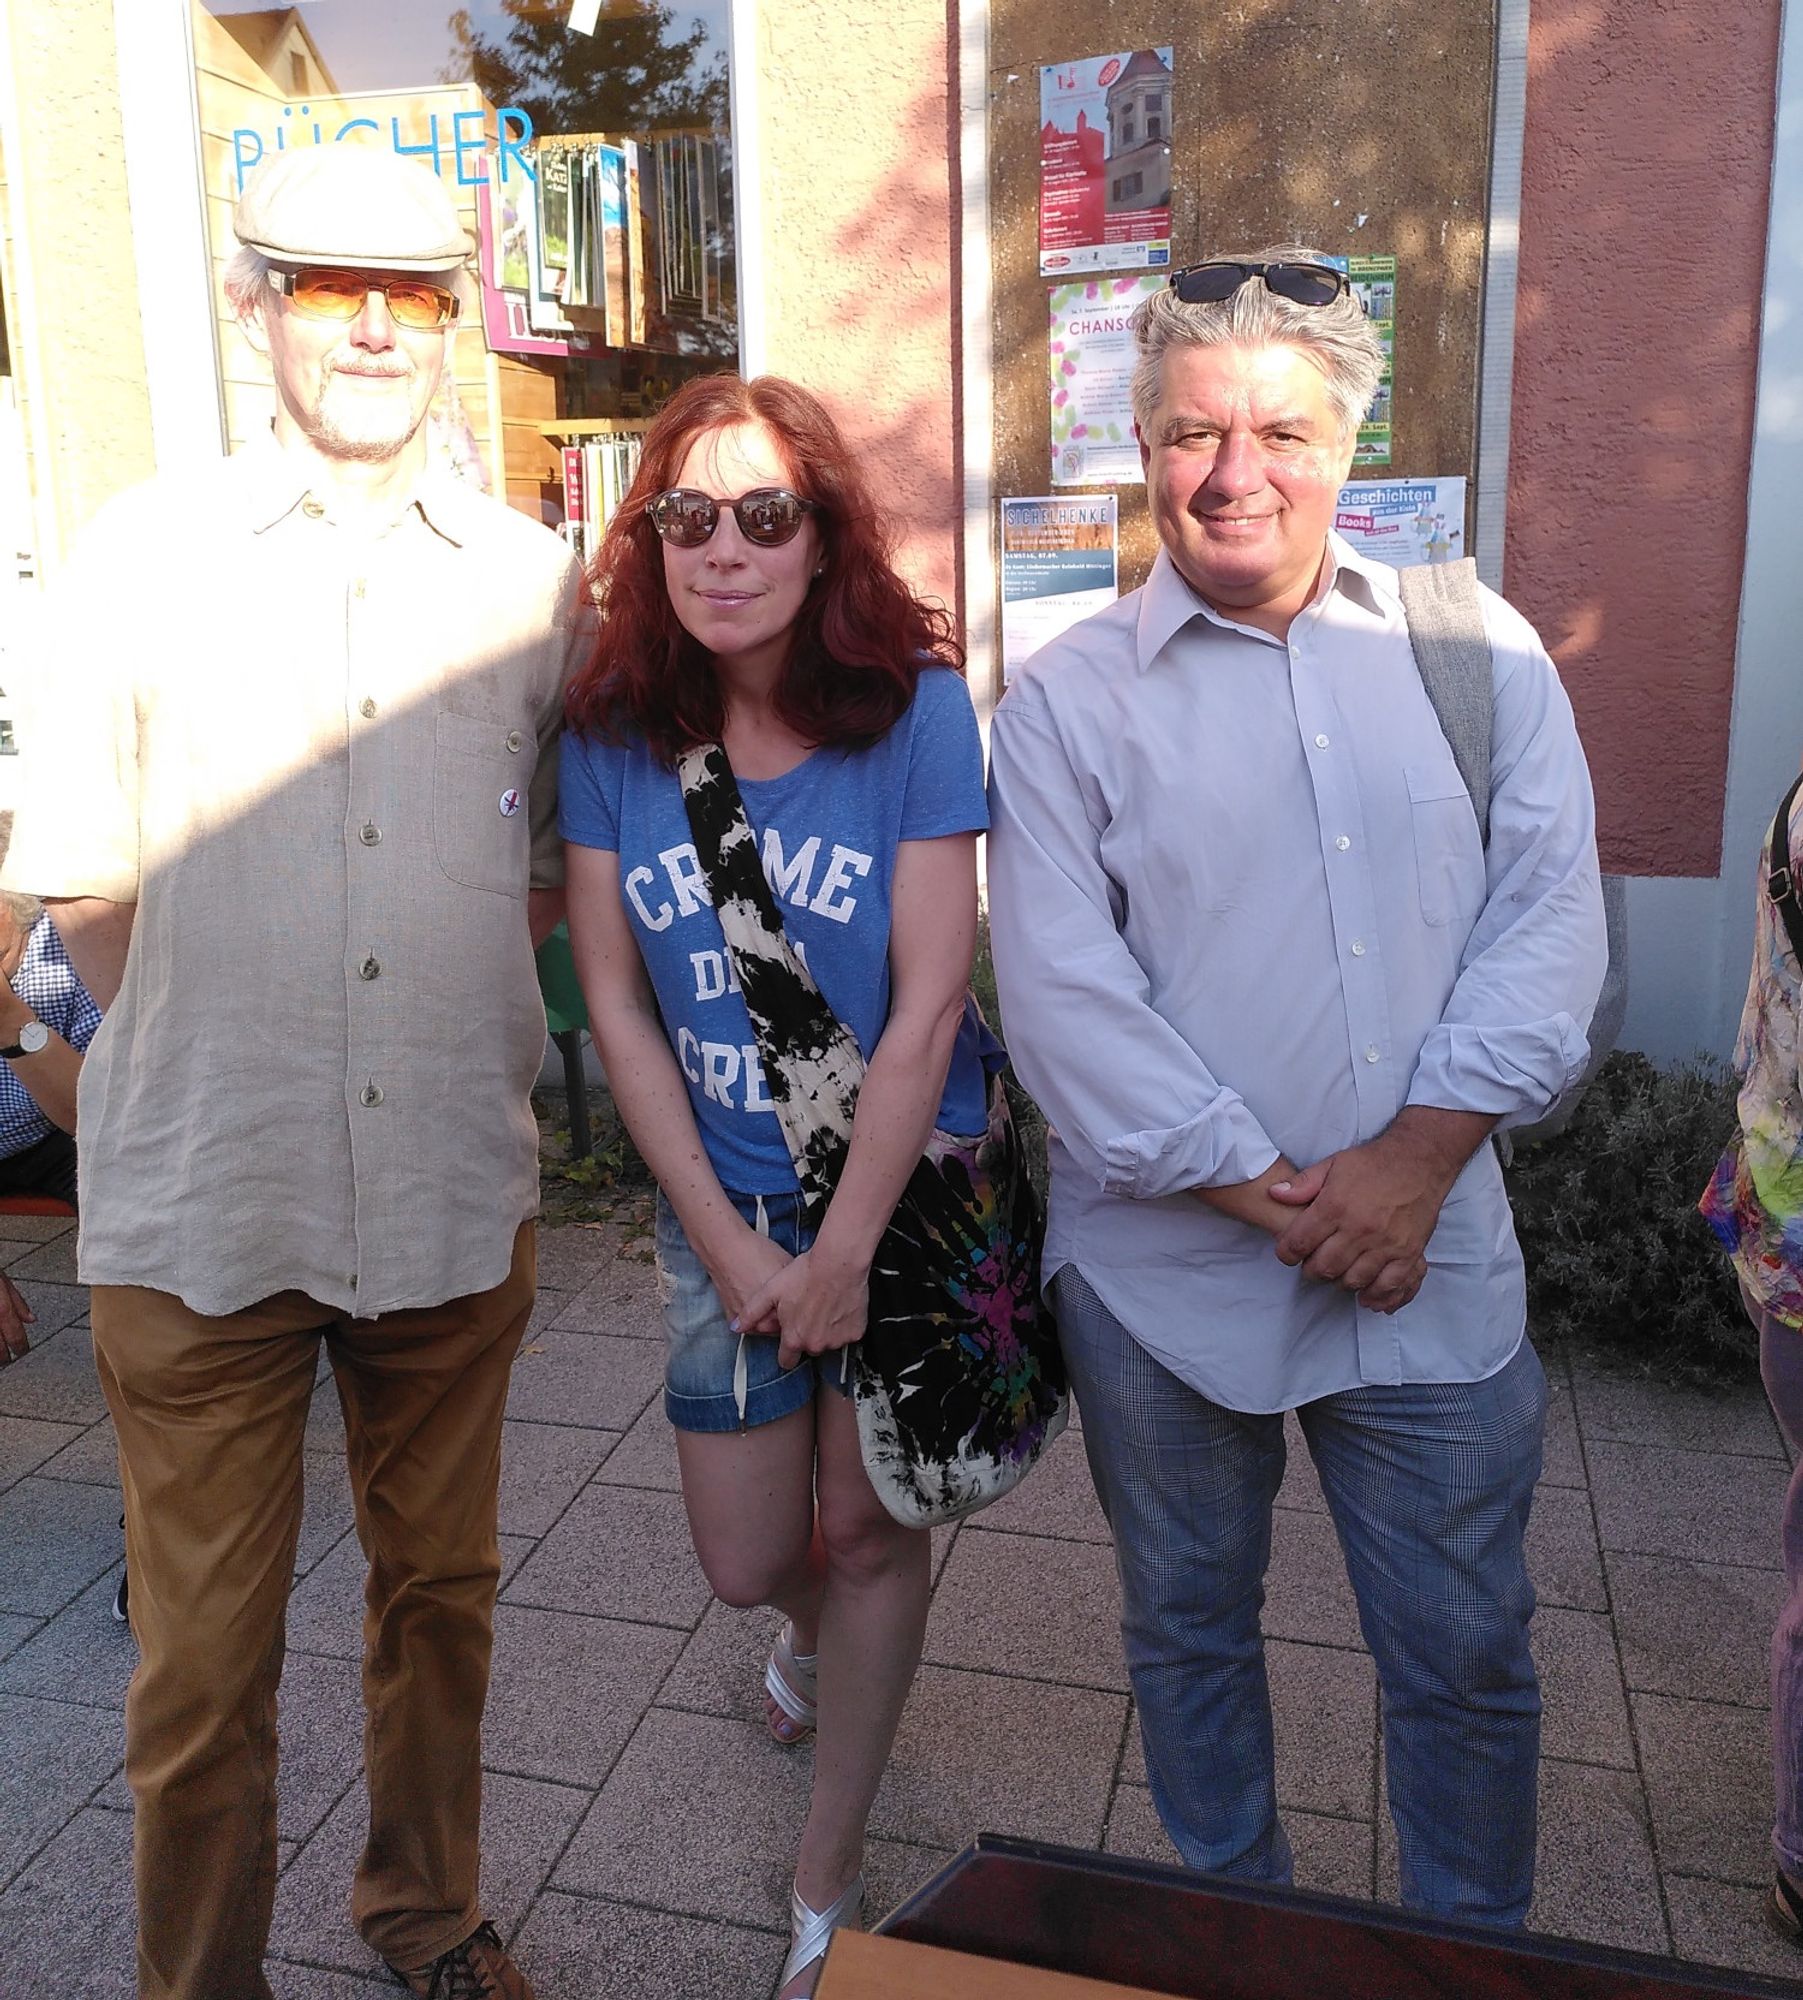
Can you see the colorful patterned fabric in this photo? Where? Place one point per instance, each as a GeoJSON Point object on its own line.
{"type": "Point", "coordinates": [1754, 1201]}
{"type": "Point", "coordinates": [958, 1381]}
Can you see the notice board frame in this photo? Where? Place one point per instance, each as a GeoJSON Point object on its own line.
{"type": "Point", "coordinates": [1358, 130]}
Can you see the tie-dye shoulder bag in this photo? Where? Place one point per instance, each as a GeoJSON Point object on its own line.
{"type": "Point", "coordinates": [958, 1381]}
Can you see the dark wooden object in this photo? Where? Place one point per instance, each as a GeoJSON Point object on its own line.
{"type": "Point", "coordinates": [1175, 1932]}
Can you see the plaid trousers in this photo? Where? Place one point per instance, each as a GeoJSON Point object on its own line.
{"type": "Point", "coordinates": [1429, 1486]}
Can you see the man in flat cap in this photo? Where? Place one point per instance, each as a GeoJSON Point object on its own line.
{"type": "Point", "coordinates": [290, 798]}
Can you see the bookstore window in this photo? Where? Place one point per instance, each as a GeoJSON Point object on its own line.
{"type": "Point", "coordinates": [593, 172]}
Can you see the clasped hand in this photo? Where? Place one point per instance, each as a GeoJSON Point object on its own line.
{"type": "Point", "coordinates": [1365, 1216]}
{"type": "Point", "coordinates": [812, 1303]}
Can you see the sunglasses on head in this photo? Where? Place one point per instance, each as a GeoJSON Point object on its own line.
{"type": "Point", "coordinates": [325, 294]}
{"type": "Point", "coordinates": [768, 516]}
{"type": "Point", "coordinates": [1217, 280]}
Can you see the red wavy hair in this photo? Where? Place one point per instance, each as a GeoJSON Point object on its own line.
{"type": "Point", "coordinates": [862, 636]}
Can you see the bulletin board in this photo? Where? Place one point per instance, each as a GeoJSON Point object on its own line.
{"type": "Point", "coordinates": [1360, 127]}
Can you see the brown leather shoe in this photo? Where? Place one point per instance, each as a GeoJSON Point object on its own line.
{"type": "Point", "coordinates": [477, 1969]}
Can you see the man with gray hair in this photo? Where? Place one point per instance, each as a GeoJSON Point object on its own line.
{"type": "Point", "coordinates": [290, 793]}
{"type": "Point", "coordinates": [1275, 992]}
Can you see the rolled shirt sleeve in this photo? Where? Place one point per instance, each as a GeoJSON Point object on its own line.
{"type": "Point", "coordinates": [1511, 1039]}
{"type": "Point", "coordinates": [1133, 1103]}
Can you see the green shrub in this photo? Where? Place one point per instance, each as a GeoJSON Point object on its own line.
{"type": "Point", "coordinates": [1618, 1259]}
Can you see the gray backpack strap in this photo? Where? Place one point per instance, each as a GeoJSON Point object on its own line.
{"type": "Point", "coordinates": [1452, 654]}
{"type": "Point", "coordinates": [1446, 630]}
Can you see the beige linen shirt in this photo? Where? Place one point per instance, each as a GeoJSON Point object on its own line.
{"type": "Point", "coordinates": [323, 766]}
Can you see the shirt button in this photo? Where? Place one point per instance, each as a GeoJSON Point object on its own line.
{"type": "Point", "coordinates": [514, 739]}
{"type": "Point", "coordinates": [1358, 947]}
{"type": "Point", "coordinates": [370, 968]}
{"type": "Point", "coordinates": [1370, 1056]}
{"type": "Point", "coordinates": [367, 709]}
{"type": "Point", "coordinates": [1320, 742]}
{"type": "Point", "coordinates": [312, 509]}
{"type": "Point", "coordinates": [369, 833]}
{"type": "Point", "coordinates": [1342, 842]}
{"type": "Point", "coordinates": [371, 1093]}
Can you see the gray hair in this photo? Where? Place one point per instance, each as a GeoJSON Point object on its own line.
{"type": "Point", "coordinates": [1337, 338]}
{"type": "Point", "coordinates": [246, 283]}
{"type": "Point", "coordinates": [23, 909]}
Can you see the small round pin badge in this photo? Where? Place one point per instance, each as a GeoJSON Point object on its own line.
{"type": "Point", "coordinates": [510, 802]}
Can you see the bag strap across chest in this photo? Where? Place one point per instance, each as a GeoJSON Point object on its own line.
{"type": "Point", "coordinates": [1445, 615]}
{"type": "Point", "coordinates": [1445, 618]}
{"type": "Point", "coordinates": [1780, 882]}
{"type": "Point", "coordinates": [812, 1063]}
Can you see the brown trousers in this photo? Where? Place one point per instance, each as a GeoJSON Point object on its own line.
{"type": "Point", "coordinates": [211, 1414]}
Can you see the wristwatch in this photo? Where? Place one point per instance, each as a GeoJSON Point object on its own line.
{"type": "Point", "coordinates": [32, 1037]}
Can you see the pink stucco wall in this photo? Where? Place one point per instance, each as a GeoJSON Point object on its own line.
{"type": "Point", "coordinates": [859, 180]}
{"type": "Point", "coordinates": [1644, 193]}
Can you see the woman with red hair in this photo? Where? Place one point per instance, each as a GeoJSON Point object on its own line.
{"type": "Point", "coordinates": [747, 600]}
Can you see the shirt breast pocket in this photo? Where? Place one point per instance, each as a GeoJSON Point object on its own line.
{"type": "Point", "coordinates": [481, 821]}
{"type": "Point", "coordinates": [1449, 857]}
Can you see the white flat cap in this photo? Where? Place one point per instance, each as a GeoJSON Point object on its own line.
{"type": "Point", "coordinates": [359, 206]}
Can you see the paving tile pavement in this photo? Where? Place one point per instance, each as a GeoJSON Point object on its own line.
{"type": "Point", "coordinates": [639, 1822]}
{"type": "Point", "coordinates": [1696, 1629]}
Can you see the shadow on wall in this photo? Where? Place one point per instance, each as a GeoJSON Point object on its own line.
{"type": "Point", "coordinates": [875, 334]}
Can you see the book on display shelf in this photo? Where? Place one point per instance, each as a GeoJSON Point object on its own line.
{"type": "Point", "coordinates": [611, 196]}
{"type": "Point", "coordinates": [598, 470]}
{"type": "Point", "coordinates": [637, 301]}
{"type": "Point", "coordinates": [623, 241]}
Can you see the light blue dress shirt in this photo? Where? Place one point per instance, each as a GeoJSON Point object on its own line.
{"type": "Point", "coordinates": [1239, 906]}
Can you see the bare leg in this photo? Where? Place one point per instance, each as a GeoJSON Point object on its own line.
{"type": "Point", "coordinates": [872, 1619]}
{"type": "Point", "coordinates": [750, 1501]}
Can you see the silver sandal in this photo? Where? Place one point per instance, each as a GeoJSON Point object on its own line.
{"type": "Point", "coordinates": [791, 1681]}
{"type": "Point", "coordinates": [812, 1930]}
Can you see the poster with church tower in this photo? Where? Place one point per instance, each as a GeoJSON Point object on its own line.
{"type": "Point", "coordinates": [1105, 163]}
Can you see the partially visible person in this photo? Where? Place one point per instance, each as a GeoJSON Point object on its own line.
{"type": "Point", "coordinates": [749, 601]}
{"type": "Point", "coordinates": [1754, 1203]}
{"type": "Point", "coordinates": [291, 782]}
{"type": "Point", "coordinates": [47, 1020]}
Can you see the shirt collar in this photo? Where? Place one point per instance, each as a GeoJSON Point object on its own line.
{"type": "Point", "coordinates": [1366, 581]}
{"type": "Point", "coordinates": [274, 483]}
{"type": "Point", "coordinates": [1168, 602]}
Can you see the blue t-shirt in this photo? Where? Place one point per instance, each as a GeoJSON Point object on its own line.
{"type": "Point", "coordinates": [827, 831]}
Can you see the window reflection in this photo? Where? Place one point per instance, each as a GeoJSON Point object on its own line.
{"type": "Point", "coordinates": [593, 172]}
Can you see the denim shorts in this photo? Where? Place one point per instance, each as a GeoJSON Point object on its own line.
{"type": "Point", "coordinates": [715, 1379]}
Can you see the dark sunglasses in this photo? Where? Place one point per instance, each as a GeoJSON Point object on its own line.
{"type": "Point", "coordinates": [1217, 280]}
{"type": "Point", "coordinates": [768, 516]}
{"type": "Point", "coordinates": [323, 294]}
